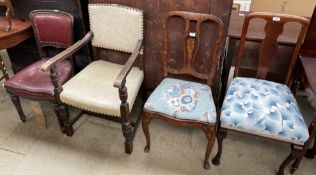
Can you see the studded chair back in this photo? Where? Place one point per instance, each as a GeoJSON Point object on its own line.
{"type": "Point", "coordinates": [126, 26]}
{"type": "Point", "coordinates": [52, 28]}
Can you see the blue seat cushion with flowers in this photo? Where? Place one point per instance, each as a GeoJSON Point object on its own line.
{"type": "Point", "coordinates": [183, 100]}
{"type": "Point", "coordinates": [263, 108]}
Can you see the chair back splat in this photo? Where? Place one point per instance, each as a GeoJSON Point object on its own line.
{"type": "Point", "coordinates": [52, 29]}
{"type": "Point", "coordinates": [193, 24]}
{"type": "Point", "coordinates": [269, 46]}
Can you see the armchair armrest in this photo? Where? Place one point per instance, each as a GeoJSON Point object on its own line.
{"type": "Point", "coordinates": [121, 78]}
{"type": "Point", "coordinates": [66, 53]}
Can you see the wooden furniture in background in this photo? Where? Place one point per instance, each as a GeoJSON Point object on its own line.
{"type": "Point", "coordinates": [236, 6]}
{"type": "Point", "coordinates": [255, 35]}
{"type": "Point", "coordinates": [104, 88]}
{"type": "Point", "coordinates": [185, 103]}
{"type": "Point", "coordinates": [19, 32]}
{"type": "Point", "coordinates": [306, 74]}
{"type": "Point", "coordinates": [9, 12]}
{"type": "Point", "coordinates": [309, 82]}
{"type": "Point", "coordinates": [31, 82]}
{"type": "Point", "coordinates": [264, 108]}
{"type": "Point", "coordinates": [294, 7]}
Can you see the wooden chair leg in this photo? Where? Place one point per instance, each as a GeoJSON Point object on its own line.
{"type": "Point", "coordinates": [16, 101]}
{"type": "Point", "coordinates": [221, 135]}
{"type": "Point", "coordinates": [39, 115]}
{"type": "Point", "coordinates": [9, 19]}
{"type": "Point", "coordinates": [65, 116]}
{"type": "Point", "coordinates": [60, 121]}
{"type": "Point", "coordinates": [296, 152]}
{"type": "Point", "coordinates": [145, 123]}
{"type": "Point", "coordinates": [311, 152]}
{"type": "Point", "coordinates": [210, 135]}
{"type": "Point", "coordinates": [127, 128]}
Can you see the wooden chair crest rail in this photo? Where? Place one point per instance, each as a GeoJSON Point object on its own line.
{"type": "Point", "coordinates": [181, 102]}
{"type": "Point", "coordinates": [103, 88]}
{"type": "Point", "coordinates": [264, 108]}
{"type": "Point", "coordinates": [31, 82]}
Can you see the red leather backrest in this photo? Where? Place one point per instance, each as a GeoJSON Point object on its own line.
{"type": "Point", "coordinates": [52, 28]}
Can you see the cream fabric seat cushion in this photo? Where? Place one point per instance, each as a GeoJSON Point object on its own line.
{"type": "Point", "coordinates": [92, 88]}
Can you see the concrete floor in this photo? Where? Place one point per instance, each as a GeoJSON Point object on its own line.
{"type": "Point", "coordinates": [97, 148]}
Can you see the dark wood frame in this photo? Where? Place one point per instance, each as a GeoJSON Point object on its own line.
{"type": "Point", "coordinates": [128, 125]}
{"type": "Point", "coordinates": [43, 52]}
{"type": "Point", "coordinates": [273, 29]}
{"type": "Point", "coordinates": [191, 47]}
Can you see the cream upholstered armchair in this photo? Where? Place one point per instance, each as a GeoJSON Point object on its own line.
{"type": "Point", "coordinates": [104, 87]}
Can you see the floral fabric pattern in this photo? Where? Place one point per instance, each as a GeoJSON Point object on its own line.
{"type": "Point", "coordinates": [183, 100]}
{"type": "Point", "coordinates": [264, 108]}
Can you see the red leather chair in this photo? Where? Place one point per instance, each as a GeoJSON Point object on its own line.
{"type": "Point", "coordinates": [53, 31]}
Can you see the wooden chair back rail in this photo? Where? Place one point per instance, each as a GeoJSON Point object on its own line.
{"type": "Point", "coordinates": [268, 48]}
{"type": "Point", "coordinates": [192, 43]}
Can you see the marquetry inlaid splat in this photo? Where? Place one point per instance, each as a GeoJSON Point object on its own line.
{"type": "Point", "coordinates": [191, 36]}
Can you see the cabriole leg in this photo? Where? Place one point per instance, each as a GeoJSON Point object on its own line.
{"type": "Point", "coordinates": [221, 135]}
{"type": "Point", "coordinates": [210, 135]}
{"type": "Point", "coordinates": [145, 123]}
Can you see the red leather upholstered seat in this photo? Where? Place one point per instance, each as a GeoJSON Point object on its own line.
{"type": "Point", "coordinates": [33, 83]}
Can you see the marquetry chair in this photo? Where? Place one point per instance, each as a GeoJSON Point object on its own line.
{"type": "Point", "coordinates": [104, 87]}
{"type": "Point", "coordinates": [263, 108]}
{"type": "Point", "coordinates": [9, 13]}
{"type": "Point", "coordinates": [185, 102]}
{"type": "Point", "coordinates": [31, 82]}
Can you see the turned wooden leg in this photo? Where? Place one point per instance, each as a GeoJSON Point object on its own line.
{"type": "Point", "coordinates": [39, 115]}
{"type": "Point", "coordinates": [296, 151]}
{"type": "Point", "coordinates": [210, 135]}
{"type": "Point", "coordinates": [221, 135]}
{"type": "Point", "coordinates": [65, 116]}
{"type": "Point", "coordinates": [3, 69]}
{"type": "Point", "coordinates": [16, 101]}
{"type": "Point", "coordinates": [127, 128]}
{"type": "Point", "coordinates": [9, 19]}
{"type": "Point", "coordinates": [145, 123]}
{"type": "Point", "coordinates": [60, 121]}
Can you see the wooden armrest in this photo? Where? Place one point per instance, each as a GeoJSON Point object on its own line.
{"type": "Point", "coordinates": [66, 53]}
{"type": "Point", "coordinates": [120, 79]}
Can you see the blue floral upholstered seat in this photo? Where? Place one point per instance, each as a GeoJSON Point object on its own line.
{"type": "Point", "coordinates": [183, 100]}
{"type": "Point", "coordinates": [263, 108]}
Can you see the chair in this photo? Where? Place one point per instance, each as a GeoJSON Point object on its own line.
{"type": "Point", "coordinates": [31, 82]}
{"type": "Point", "coordinates": [182, 102]}
{"type": "Point", "coordinates": [104, 87]}
{"type": "Point", "coordinates": [260, 107]}
{"type": "Point", "coordinates": [9, 13]}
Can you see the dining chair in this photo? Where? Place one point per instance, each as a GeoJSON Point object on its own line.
{"type": "Point", "coordinates": [181, 101]}
{"type": "Point", "coordinates": [31, 82]}
{"type": "Point", "coordinates": [259, 107]}
{"type": "Point", "coordinates": [105, 88]}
